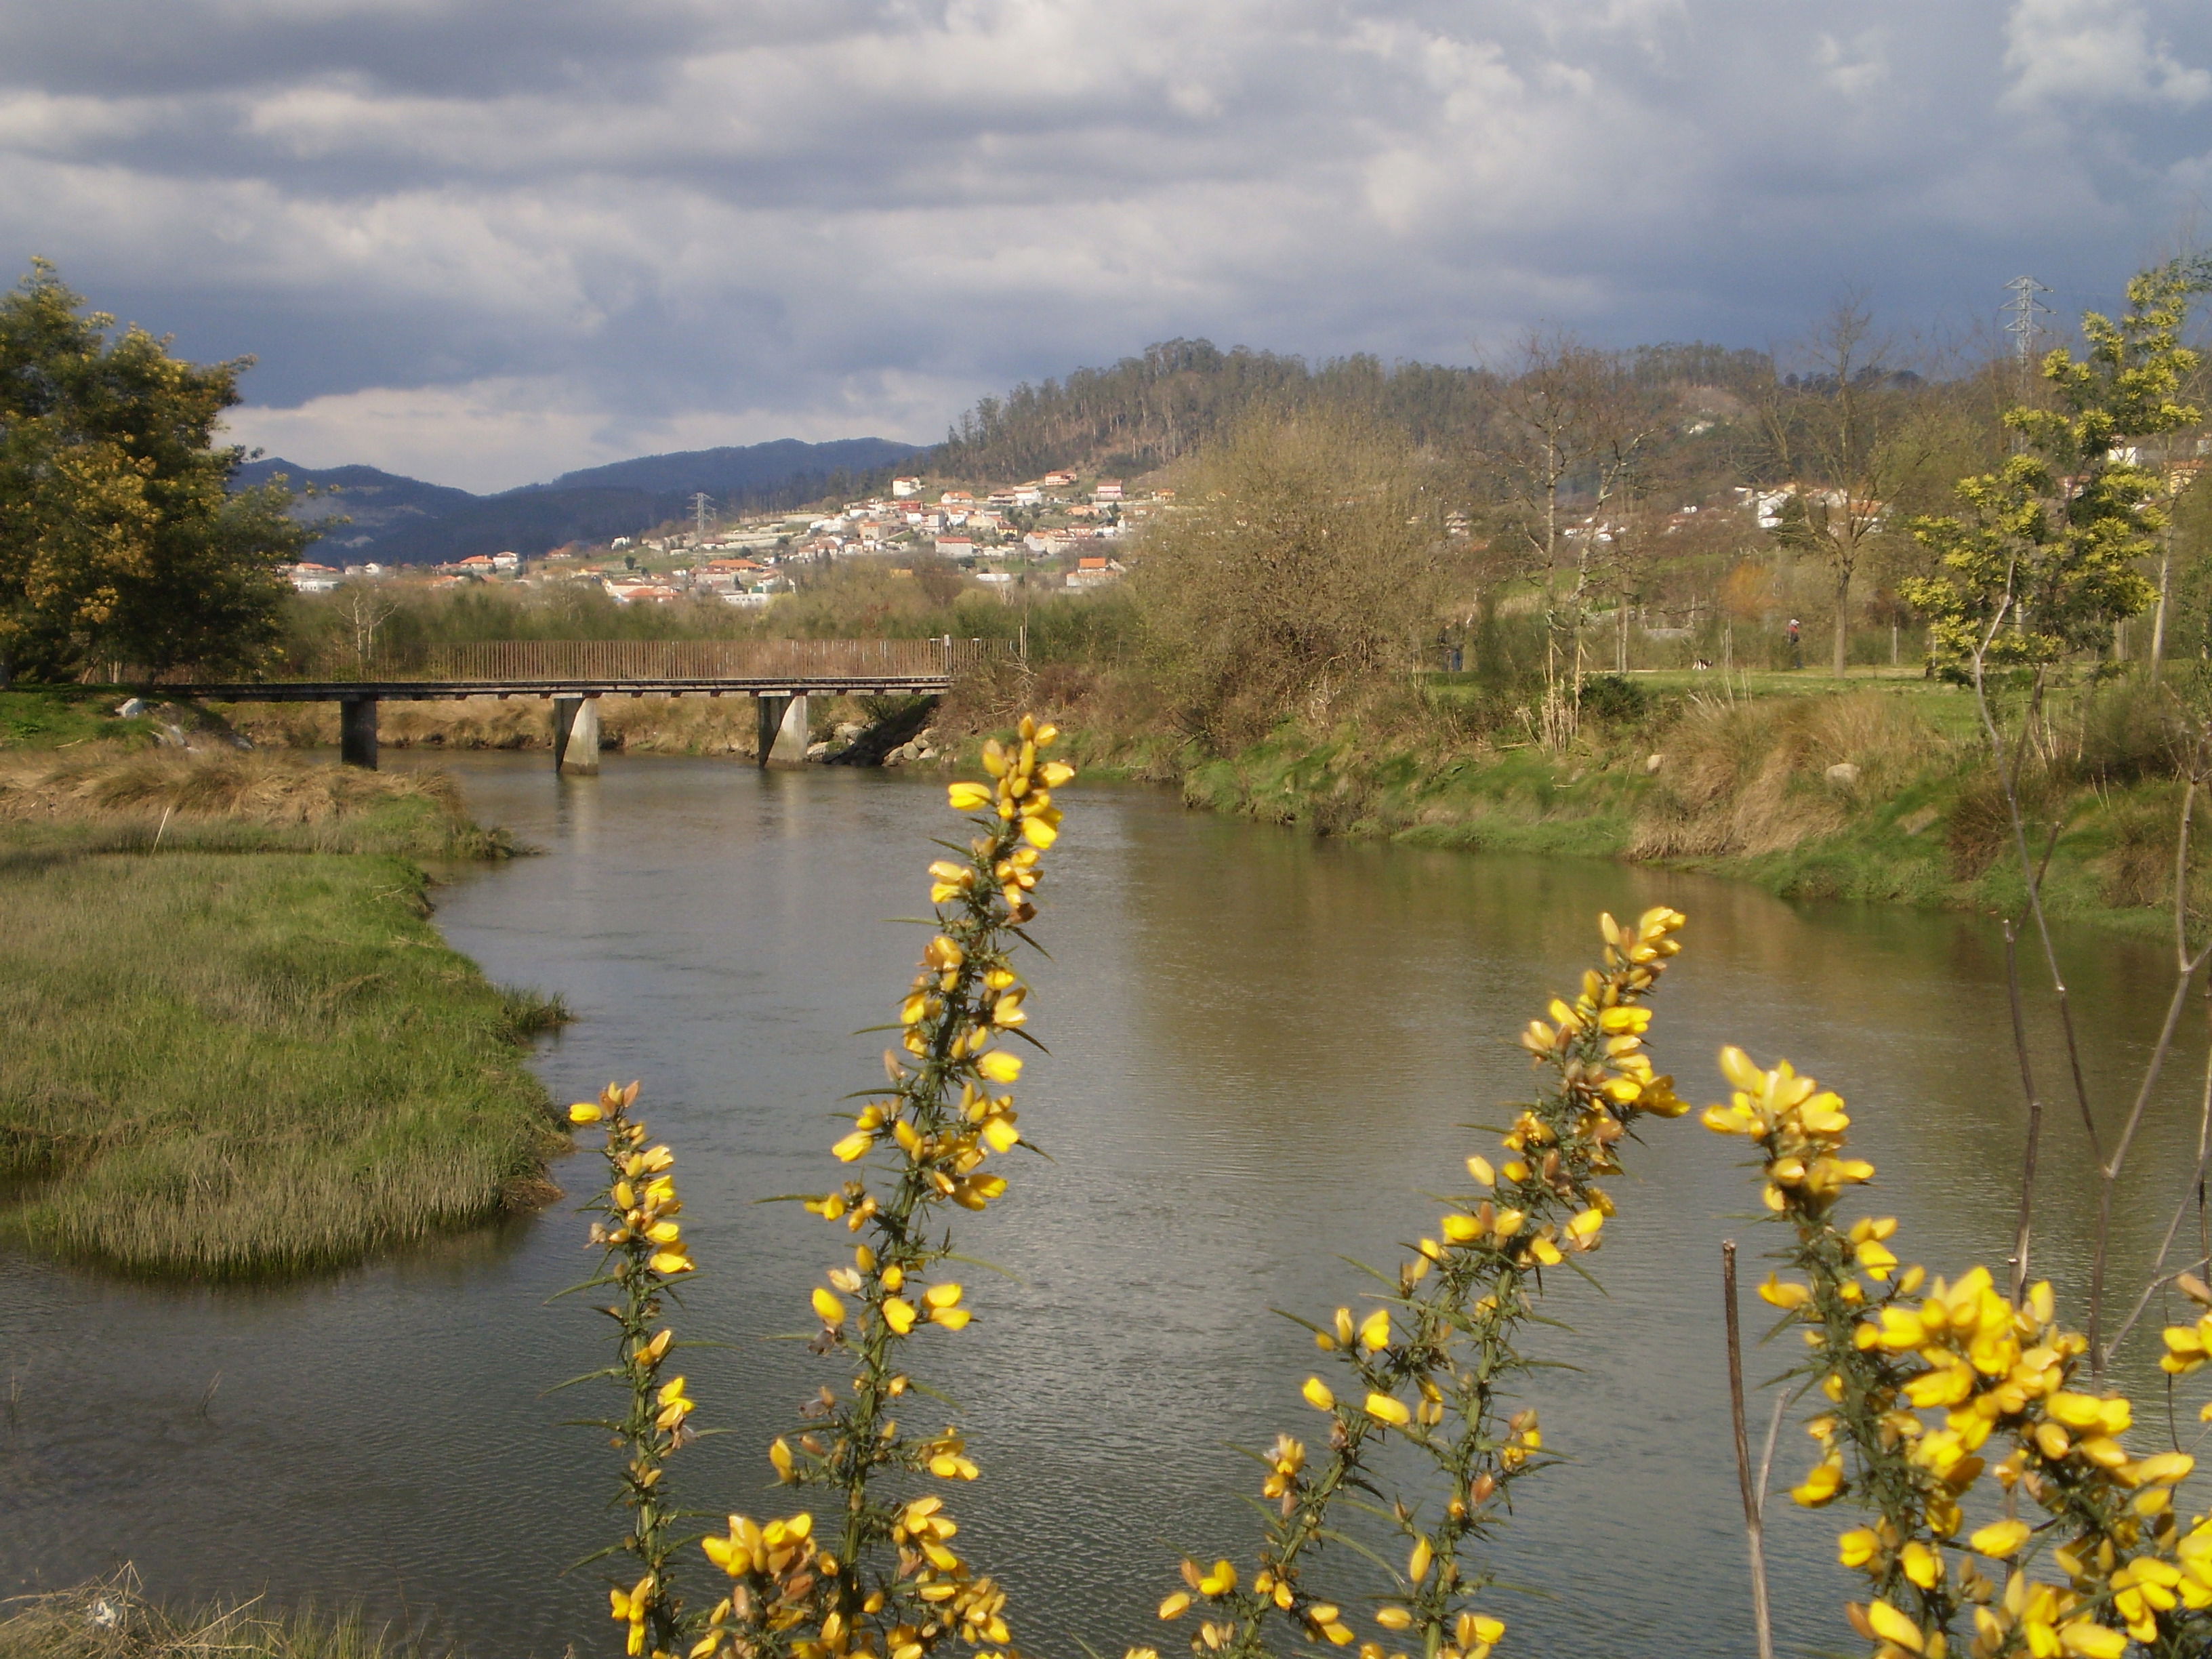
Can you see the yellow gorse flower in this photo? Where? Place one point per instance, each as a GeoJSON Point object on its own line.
{"type": "Point", "coordinates": [1462, 1294]}
{"type": "Point", "coordinates": [947, 1111]}
{"type": "Point", "coordinates": [1930, 1386]}
{"type": "Point", "coordinates": [645, 1249]}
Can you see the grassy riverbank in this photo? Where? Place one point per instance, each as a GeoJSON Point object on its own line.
{"type": "Point", "coordinates": [236, 1044]}
{"type": "Point", "coordinates": [1876, 790]}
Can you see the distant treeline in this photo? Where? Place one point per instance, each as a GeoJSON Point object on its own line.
{"type": "Point", "coordinates": [1175, 397]}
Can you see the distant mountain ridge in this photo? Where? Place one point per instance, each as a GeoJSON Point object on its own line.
{"type": "Point", "coordinates": [719, 471]}
{"type": "Point", "coordinates": [394, 520]}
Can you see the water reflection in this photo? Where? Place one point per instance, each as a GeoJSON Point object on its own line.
{"type": "Point", "coordinates": [1263, 1047]}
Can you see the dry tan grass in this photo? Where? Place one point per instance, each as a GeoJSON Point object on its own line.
{"type": "Point", "coordinates": [1751, 777]}
{"type": "Point", "coordinates": [226, 784]}
{"type": "Point", "coordinates": [111, 1619]}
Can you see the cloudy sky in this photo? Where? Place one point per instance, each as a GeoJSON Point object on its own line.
{"type": "Point", "coordinates": [483, 241]}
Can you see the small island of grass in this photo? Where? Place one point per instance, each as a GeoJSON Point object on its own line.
{"type": "Point", "coordinates": [237, 1045]}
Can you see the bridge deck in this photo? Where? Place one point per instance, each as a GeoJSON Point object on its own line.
{"type": "Point", "coordinates": [597, 668]}
{"type": "Point", "coordinates": [427, 690]}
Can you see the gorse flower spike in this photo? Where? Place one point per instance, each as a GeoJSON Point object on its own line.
{"type": "Point", "coordinates": [1430, 1364]}
{"type": "Point", "coordinates": [645, 1254]}
{"type": "Point", "coordinates": [1932, 1388]}
{"type": "Point", "coordinates": [879, 1574]}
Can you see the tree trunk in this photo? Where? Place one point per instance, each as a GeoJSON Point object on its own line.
{"type": "Point", "coordinates": [2158, 625]}
{"type": "Point", "coordinates": [1843, 620]}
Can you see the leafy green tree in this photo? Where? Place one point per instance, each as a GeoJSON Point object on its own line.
{"type": "Point", "coordinates": [2044, 556]}
{"type": "Point", "coordinates": [120, 535]}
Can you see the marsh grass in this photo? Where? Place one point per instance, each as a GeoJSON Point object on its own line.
{"type": "Point", "coordinates": [99, 798]}
{"type": "Point", "coordinates": [64, 716]}
{"type": "Point", "coordinates": [1741, 789]}
{"type": "Point", "coordinates": [222, 1066]}
{"type": "Point", "coordinates": [1751, 777]}
{"type": "Point", "coordinates": [111, 1619]}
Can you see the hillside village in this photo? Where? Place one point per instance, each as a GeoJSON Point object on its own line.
{"type": "Point", "coordinates": [1053, 532]}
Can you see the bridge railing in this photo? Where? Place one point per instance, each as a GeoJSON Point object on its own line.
{"type": "Point", "coordinates": [521, 662]}
{"type": "Point", "coordinates": [700, 660]}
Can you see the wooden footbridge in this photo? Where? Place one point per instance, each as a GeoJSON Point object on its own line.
{"type": "Point", "coordinates": [575, 675]}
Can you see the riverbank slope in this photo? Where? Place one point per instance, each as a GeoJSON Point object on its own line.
{"type": "Point", "coordinates": [1865, 790]}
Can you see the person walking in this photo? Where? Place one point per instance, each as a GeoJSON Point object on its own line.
{"type": "Point", "coordinates": [1797, 644]}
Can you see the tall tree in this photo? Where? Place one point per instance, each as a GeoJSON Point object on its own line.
{"type": "Point", "coordinates": [1563, 448]}
{"type": "Point", "coordinates": [2044, 555]}
{"type": "Point", "coordinates": [120, 536]}
{"type": "Point", "coordinates": [1849, 432]}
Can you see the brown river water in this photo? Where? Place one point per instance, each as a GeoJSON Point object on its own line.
{"type": "Point", "coordinates": [1264, 1048]}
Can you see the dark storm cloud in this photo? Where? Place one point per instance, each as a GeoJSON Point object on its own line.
{"type": "Point", "coordinates": [493, 239]}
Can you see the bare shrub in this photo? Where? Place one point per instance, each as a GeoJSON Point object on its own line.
{"type": "Point", "coordinates": [2123, 733]}
{"type": "Point", "coordinates": [1977, 828]}
{"type": "Point", "coordinates": [1303, 567]}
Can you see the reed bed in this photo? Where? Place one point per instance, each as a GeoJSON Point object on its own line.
{"type": "Point", "coordinates": [111, 1618]}
{"type": "Point", "coordinates": [98, 799]}
{"type": "Point", "coordinates": [222, 1066]}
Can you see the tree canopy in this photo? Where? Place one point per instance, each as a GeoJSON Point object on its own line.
{"type": "Point", "coordinates": [120, 538]}
{"type": "Point", "coordinates": [2044, 555]}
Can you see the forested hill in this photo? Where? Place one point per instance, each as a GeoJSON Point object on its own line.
{"type": "Point", "coordinates": [742, 474]}
{"type": "Point", "coordinates": [1149, 410]}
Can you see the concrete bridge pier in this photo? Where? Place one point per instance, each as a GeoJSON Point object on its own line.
{"type": "Point", "coordinates": [783, 732]}
{"type": "Point", "coordinates": [357, 732]}
{"type": "Point", "coordinates": [576, 728]}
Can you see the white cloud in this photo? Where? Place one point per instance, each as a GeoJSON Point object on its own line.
{"type": "Point", "coordinates": [493, 239]}
{"type": "Point", "coordinates": [2095, 51]}
{"type": "Point", "coordinates": [1856, 67]}
{"type": "Point", "coordinates": [503, 431]}
{"type": "Point", "coordinates": [485, 434]}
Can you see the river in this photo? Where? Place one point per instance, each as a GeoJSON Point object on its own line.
{"type": "Point", "coordinates": [1262, 1046]}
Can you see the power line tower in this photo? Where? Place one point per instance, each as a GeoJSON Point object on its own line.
{"type": "Point", "coordinates": [2024, 308]}
{"type": "Point", "coordinates": [701, 500]}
